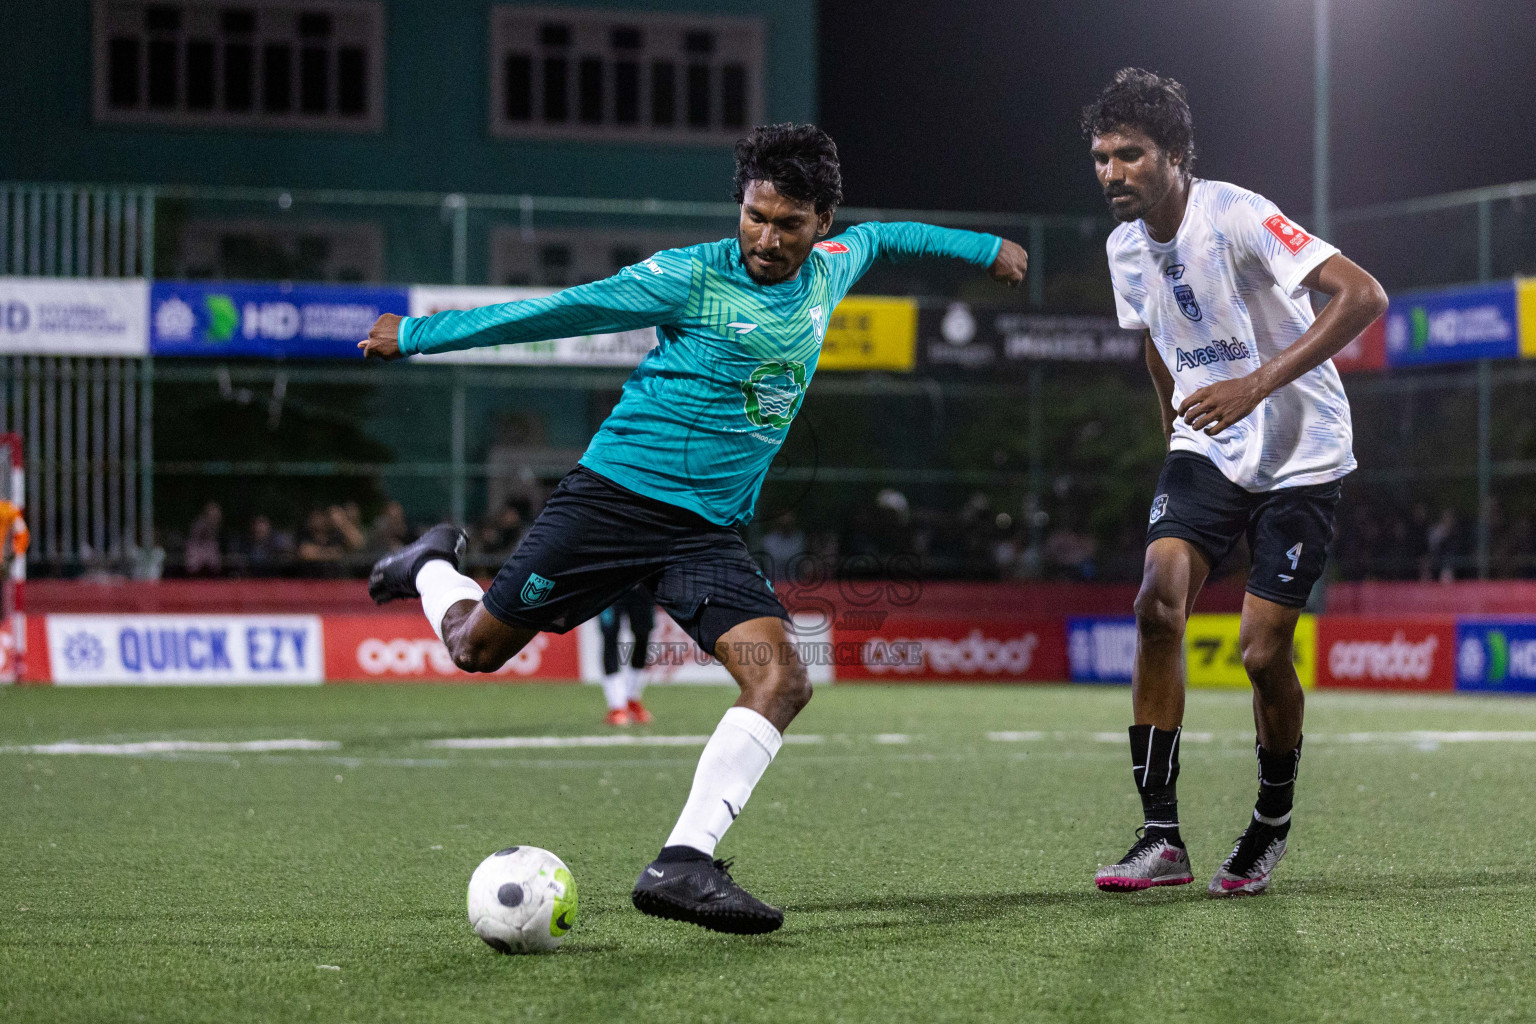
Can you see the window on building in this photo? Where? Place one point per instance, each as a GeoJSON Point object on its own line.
{"type": "Point", "coordinates": [561, 257]}
{"type": "Point", "coordinates": [565, 73]}
{"type": "Point", "coordinates": [265, 63]}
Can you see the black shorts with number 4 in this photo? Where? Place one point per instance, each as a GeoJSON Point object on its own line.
{"type": "Point", "coordinates": [1288, 529]}
{"type": "Point", "coordinates": [594, 540]}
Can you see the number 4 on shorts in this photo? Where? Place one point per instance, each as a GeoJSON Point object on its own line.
{"type": "Point", "coordinates": [1294, 554]}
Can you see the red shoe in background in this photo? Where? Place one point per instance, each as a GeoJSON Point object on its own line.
{"type": "Point", "coordinates": [638, 714]}
{"type": "Point", "coordinates": [619, 716]}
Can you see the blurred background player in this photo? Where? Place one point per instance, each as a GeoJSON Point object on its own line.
{"type": "Point", "coordinates": [623, 684]}
{"type": "Point", "coordinates": [1259, 437]}
{"type": "Point", "coordinates": [676, 469]}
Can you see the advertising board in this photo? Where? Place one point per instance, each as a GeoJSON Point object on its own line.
{"type": "Point", "coordinates": [49, 316]}
{"type": "Point", "coordinates": [278, 320]}
{"type": "Point", "coordinates": [195, 649]}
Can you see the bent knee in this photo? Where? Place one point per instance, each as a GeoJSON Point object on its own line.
{"type": "Point", "coordinates": [792, 686]}
{"type": "Point", "coordinates": [477, 657]}
{"type": "Point", "coordinates": [1159, 618]}
{"type": "Point", "coordinates": [1266, 658]}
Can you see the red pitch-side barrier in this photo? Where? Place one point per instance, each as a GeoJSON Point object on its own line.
{"type": "Point", "coordinates": [1465, 597]}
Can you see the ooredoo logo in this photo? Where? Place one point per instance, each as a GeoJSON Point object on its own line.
{"type": "Point", "coordinates": [418, 656]}
{"type": "Point", "coordinates": [973, 655]}
{"type": "Point", "coordinates": [835, 248]}
{"type": "Point", "coordinates": [1396, 660]}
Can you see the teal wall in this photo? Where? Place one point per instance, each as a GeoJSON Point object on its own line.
{"type": "Point", "coordinates": [435, 136]}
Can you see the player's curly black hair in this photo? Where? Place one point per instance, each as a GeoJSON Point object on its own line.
{"type": "Point", "coordinates": [1147, 102]}
{"type": "Point", "coordinates": [799, 159]}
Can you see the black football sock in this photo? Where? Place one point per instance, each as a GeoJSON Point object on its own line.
{"type": "Point", "coordinates": [671, 854]}
{"type": "Point", "coordinates": [1277, 787]}
{"type": "Point", "coordinates": [1155, 767]}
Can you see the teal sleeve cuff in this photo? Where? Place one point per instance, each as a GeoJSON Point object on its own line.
{"type": "Point", "coordinates": [997, 247]}
{"type": "Point", "coordinates": [407, 335]}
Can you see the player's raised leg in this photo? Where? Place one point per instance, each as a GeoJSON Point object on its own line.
{"type": "Point", "coordinates": [451, 601]}
{"type": "Point", "coordinates": [1172, 577]}
{"type": "Point", "coordinates": [685, 883]}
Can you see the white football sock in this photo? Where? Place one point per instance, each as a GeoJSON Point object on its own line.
{"type": "Point", "coordinates": [734, 759]}
{"type": "Point", "coordinates": [634, 679]}
{"type": "Point", "coordinates": [615, 691]}
{"type": "Point", "coordinates": [441, 587]}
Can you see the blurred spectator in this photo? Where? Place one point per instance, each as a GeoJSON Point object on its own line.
{"type": "Point", "coordinates": [266, 552]}
{"type": "Point", "coordinates": [1070, 554]}
{"type": "Point", "coordinates": [348, 521]}
{"type": "Point", "coordinates": [390, 530]}
{"type": "Point", "coordinates": [202, 555]}
{"type": "Point", "coordinates": [782, 545]}
{"type": "Point", "coordinates": [1442, 548]}
{"type": "Point", "coordinates": [498, 536]}
{"type": "Point", "coordinates": [322, 544]}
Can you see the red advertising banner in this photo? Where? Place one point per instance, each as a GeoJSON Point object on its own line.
{"type": "Point", "coordinates": [909, 648]}
{"type": "Point", "coordinates": [1367, 352]}
{"type": "Point", "coordinates": [402, 648]}
{"type": "Point", "coordinates": [1386, 653]}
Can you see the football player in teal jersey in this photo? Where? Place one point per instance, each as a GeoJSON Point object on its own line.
{"type": "Point", "coordinates": [676, 469]}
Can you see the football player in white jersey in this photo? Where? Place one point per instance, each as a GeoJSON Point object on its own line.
{"type": "Point", "coordinates": [1259, 437]}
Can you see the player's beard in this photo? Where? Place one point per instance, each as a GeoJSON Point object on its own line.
{"type": "Point", "coordinates": [1126, 212]}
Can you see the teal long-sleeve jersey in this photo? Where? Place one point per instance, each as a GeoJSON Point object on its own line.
{"type": "Point", "coordinates": [704, 413]}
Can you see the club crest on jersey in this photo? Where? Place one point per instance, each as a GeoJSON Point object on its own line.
{"type": "Point", "coordinates": [1159, 508]}
{"type": "Point", "coordinates": [773, 393]}
{"type": "Point", "coordinates": [1187, 304]}
{"type": "Point", "coordinates": [818, 324]}
{"type": "Point", "coordinates": [537, 589]}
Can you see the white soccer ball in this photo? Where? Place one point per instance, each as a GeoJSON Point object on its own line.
{"type": "Point", "coordinates": [522, 900]}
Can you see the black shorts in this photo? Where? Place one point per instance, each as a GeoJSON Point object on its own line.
{"type": "Point", "coordinates": [1288, 529]}
{"type": "Point", "coordinates": [594, 540]}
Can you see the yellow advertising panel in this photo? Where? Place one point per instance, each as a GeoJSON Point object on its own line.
{"type": "Point", "coordinates": [1212, 656]}
{"type": "Point", "coordinates": [870, 332]}
{"type": "Point", "coordinates": [1525, 297]}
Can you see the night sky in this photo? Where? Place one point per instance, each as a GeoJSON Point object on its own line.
{"type": "Point", "coordinates": [964, 105]}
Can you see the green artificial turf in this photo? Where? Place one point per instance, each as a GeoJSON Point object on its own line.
{"type": "Point", "coordinates": [927, 872]}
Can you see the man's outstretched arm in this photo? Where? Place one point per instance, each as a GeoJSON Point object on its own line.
{"type": "Point", "coordinates": [909, 240]}
{"type": "Point", "coordinates": [644, 295]}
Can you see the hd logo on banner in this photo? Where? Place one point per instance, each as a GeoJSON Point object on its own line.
{"type": "Point", "coordinates": [202, 649]}
{"type": "Point", "coordinates": [1454, 325]}
{"type": "Point", "coordinates": [272, 320]}
{"type": "Point", "coordinates": [1496, 654]}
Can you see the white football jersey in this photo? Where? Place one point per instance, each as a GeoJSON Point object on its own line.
{"type": "Point", "coordinates": [1220, 299]}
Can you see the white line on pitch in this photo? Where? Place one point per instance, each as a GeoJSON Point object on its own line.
{"type": "Point", "coordinates": [618, 740]}
{"type": "Point", "coordinates": [1428, 736]}
{"type": "Point", "coordinates": [173, 747]}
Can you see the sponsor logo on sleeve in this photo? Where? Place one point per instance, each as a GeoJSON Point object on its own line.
{"type": "Point", "coordinates": [834, 248]}
{"type": "Point", "coordinates": [1290, 236]}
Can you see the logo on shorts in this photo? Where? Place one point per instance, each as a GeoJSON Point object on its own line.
{"type": "Point", "coordinates": [773, 393]}
{"type": "Point", "coordinates": [537, 589]}
{"type": "Point", "coordinates": [1159, 508]}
